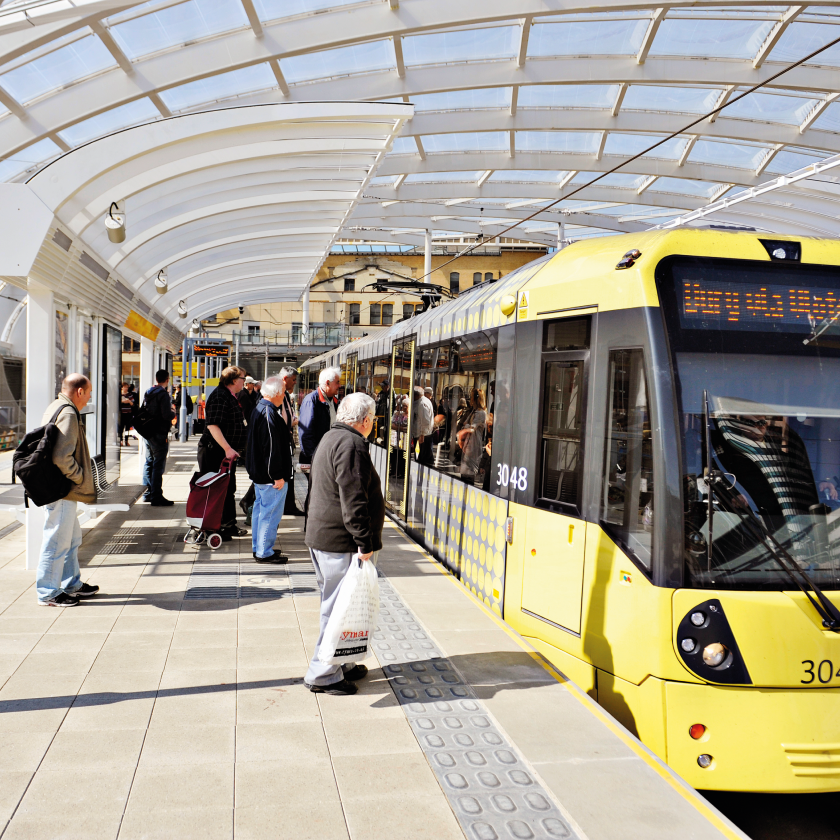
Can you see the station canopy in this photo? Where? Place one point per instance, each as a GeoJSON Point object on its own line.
{"type": "Point", "coordinates": [516, 103]}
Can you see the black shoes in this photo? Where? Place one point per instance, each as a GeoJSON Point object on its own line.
{"type": "Point", "coordinates": [339, 688]}
{"type": "Point", "coordinates": [63, 600]}
{"type": "Point", "coordinates": [357, 672]}
{"type": "Point", "coordinates": [274, 557]}
{"type": "Point", "coordinates": [161, 502]}
{"type": "Point", "coordinates": [86, 590]}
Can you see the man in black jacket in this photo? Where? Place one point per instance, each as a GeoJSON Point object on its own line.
{"type": "Point", "coordinates": [317, 413]}
{"type": "Point", "coordinates": [269, 463]}
{"type": "Point", "coordinates": [345, 514]}
{"type": "Point", "coordinates": [159, 406]}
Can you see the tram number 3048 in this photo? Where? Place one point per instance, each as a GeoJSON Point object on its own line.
{"type": "Point", "coordinates": [516, 478]}
{"type": "Point", "coordinates": [822, 672]}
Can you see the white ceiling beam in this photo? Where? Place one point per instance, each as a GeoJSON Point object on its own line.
{"type": "Point", "coordinates": [566, 178]}
{"type": "Point", "coordinates": [619, 99]}
{"type": "Point", "coordinates": [394, 5]}
{"type": "Point", "coordinates": [653, 27]}
{"type": "Point", "coordinates": [514, 99]}
{"type": "Point", "coordinates": [768, 157]}
{"type": "Point", "coordinates": [816, 111]}
{"type": "Point", "coordinates": [12, 105]}
{"type": "Point", "coordinates": [65, 147]}
{"type": "Point", "coordinates": [399, 182]}
{"type": "Point", "coordinates": [723, 188]}
{"type": "Point", "coordinates": [724, 97]}
{"type": "Point", "coordinates": [160, 105]}
{"type": "Point", "coordinates": [278, 75]}
{"type": "Point", "coordinates": [454, 201]}
{"type": "Point", "coordinates": [420, 150]}
{"type": "Point", "coordinates": [645, 184]}
{"type": "Point", "coordinates": [601, 143]}
{"type": "Point", "coordinates": [775, 33]}
{"type": "Point", "coordinates": [524, 34]}
{"type": "Point", "coordinates": [512, 140]}
{"type": "Point", "coordinates": [253, 17]}
{"type": "Point", "coordinates": [113, 47]}
{"type": "Point", "coordinates": [687, 149]}
{"type": "Point", "coordinates": [484, 176]}
{"type": "Point", "coordinates": [398, 52]}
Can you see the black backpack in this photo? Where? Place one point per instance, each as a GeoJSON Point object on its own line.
{"type": "Point", "coordinates": [147, 424]}
{"type": "Point", "coordinates": [42, 480]}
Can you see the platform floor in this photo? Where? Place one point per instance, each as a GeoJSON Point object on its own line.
{"type": "Point", "coordinates": [173, 706]}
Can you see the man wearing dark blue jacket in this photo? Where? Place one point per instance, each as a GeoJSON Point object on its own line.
{"type": "Point", "coordinates": [159, 406]}
{"type": "Point", "coordinates": [317, 413]}
{"type": "Point", "coordinates": [269, 463]}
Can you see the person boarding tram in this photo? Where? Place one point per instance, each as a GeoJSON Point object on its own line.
{"type": "Point", "coordinates": [318, 413]}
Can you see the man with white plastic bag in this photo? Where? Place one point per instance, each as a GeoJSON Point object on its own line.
{"type": "Point", "coordinates": [345, 514]}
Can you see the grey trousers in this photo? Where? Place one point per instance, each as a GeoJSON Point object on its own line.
{"type": "Point", "coordinates": [330, 568]}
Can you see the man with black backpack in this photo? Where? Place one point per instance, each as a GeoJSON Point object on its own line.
{"type": "Point", "coordinates": [58, 581]}
{"type": "Point", "coordinates": [157, 408]}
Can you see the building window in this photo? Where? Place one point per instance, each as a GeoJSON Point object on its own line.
{"type": "Point", "coordinates": [355, 314]}
{"type": "Point", "coordinates": [476, 278]}
{"type": "Point", "coordinates": [488, 276]}
{"type": "Point", "coordinates": [130, 345]}
{"type": "Point", "coordinates": [375, 314]}
{"type": "Point", "coordinates": [387, 314]}
{"type": "Point", "coordinates": [349, 284]}
{"type": "Point", "coordinates": [408, 310]}
{"type": "Point", "coordinates": [454, 282]}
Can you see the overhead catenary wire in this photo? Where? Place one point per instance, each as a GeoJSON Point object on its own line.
{"type": "Point", "coordinates": [484, 240]}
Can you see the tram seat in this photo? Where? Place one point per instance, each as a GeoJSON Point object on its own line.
{"type": "Point", "coordinates": [561, 486]}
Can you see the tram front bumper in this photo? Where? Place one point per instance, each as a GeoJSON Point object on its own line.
{"type": "Point", "coordinates": [760, 739]}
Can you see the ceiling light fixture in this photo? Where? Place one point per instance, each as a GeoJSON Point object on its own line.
{"type": "Point", "coordinates": [115, 223]}
{"type": "Point", "coordinates": [182, 308]}
{"type": "Point", "coordinates": [161, 282]}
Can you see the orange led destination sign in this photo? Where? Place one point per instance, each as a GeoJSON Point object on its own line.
{"type": "Point", "coordinates": [754, 306]}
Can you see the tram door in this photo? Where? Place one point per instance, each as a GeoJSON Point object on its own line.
{"type": "Point", "coordinates": [553, 562]}
{"type": "Point", "coordinates": [351, 368]}
{"type": "Point", "coordinates": [399, 448]}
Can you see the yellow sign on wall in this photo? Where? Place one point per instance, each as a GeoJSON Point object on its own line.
{"type": "Point", "coordinates": [178, 369]}
{"type": "Point", "coordinates": [141, 325]}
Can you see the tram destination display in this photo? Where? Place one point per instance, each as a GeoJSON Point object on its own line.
{"type": "Point", "coordinates": [794, 302]}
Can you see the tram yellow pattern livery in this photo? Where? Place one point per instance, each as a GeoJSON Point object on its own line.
{"type": "Point", "coordinates": [634, 456]}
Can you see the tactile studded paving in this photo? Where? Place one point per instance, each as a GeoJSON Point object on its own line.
{"type": "Point", "coordinates": [247, 579]}
{"type": "Point", "coordinates": [492, 790]}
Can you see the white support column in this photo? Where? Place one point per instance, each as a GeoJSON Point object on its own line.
{"type": "Point", "coordinates": [40, 392]}
{"type": "Point", "coordinates": [147, 379]}
{"type": "Point", "coordinates": [305, 337]}
{"type": "Point", "coordinates": [561, 235]}
{"type": "Point", "coordinates": [427, 256]}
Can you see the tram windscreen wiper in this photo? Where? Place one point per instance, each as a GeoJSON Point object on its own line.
{"type": "Point", "coordinates": [724, 491]}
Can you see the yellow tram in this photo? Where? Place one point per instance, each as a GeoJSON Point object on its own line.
{"type": "Point", "coordinates": [636, 463]}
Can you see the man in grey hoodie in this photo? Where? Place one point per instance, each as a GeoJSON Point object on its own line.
{"type": "Point", "coordinates": [58, 581]}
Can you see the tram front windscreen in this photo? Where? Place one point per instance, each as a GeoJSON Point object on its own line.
{"type": "Point", "coordinates": [756, 361]}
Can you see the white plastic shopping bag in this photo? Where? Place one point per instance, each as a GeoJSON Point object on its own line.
{"type": "Point", "coordinates": [354, 616]}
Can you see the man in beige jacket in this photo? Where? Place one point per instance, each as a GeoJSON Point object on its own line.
{"type": "Point", "coordinates": [58, 581]}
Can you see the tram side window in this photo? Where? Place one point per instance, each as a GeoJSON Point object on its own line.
{"type": "Point", "coordinates": [380, 390]}
{"type": "Point", "coordinates": [364, 378]}
{"type": "Point", "coordinates": [627, 500]}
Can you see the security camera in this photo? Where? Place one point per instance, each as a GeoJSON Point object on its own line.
{"type": "Point", "coordinates": [241, 310]}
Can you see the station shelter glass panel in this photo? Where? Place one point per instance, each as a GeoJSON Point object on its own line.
{"type": "Point", "coordinates": [399, 437]}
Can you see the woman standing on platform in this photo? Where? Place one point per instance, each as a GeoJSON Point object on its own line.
{"type": "Point", "coordinates": [224, 437]}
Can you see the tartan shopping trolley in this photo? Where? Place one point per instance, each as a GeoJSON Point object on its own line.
{"type": "Point", "coordinates": [205, 505]}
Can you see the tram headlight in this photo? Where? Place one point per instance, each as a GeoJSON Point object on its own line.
{"type": "Point", "coordinates": [698, 619]}
{"type": "Point", "coordinates": [688, 645]}
{"type": "Point", "coordinates": [715, 654]}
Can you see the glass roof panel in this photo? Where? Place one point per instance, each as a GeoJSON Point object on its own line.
{"type": "Point", "coordinates": [602, 37]}
{"type": "Point", "coordinates": [800, 39]}
{"type": "Point", "coordinates": [684, 186]}
{"type": "Point", "coordinates": [344, 61]}
{"type": "Point", "coordinates": [829, 119]}
{"type": "Point", "coordinates": [476, 141]}
{"type": "Point", "coordinates": [727, 154]}
{"type": "Point", "coordinates": [464, 100]}
{"type": "Point", "coordinates": [223, 86]}
{"type": "Point", "coordinates": [585, 142]}
{"type": "Point", "coordinates": [28, 158]}
{"type": "Point", "coordinates": [785, 162]}
{"type": "Point", "coordinates": [621, 179]}
{"type": "Point", "coordinates": [670, 98]}
{"type": "Point", "coordinates": [404, 146]}
{"type": "Point", "coordinates": [188, 21]}
{"type": "Point", "coordinates": [712, 38]}
{"type": "Point", "coordinates": [632, 144]}
{"type": "Point", "coordinates": [125, 115]}
{"type": "Point", "coordinates": [539, 176]}
{"type": "Point", "coordinates": [772, 107]}
{"type": "Point", "coordinates": [433, 177]}
{"type": "Point", "coordinates": [276, 9]}
{"type": "Point", "coordinates": [57, 69]}
{"type": "Point", "coordinates": [567, 96]}
{"type": "Point", "coordinates": [463, 45]}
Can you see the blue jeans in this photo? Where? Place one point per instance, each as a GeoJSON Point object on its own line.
{"type": "Point", "coordinates": [266, 516]}
{"type": "Point", "coordinates": [157, 447]}
{"type": "Point", "coordinates": [58, 568]}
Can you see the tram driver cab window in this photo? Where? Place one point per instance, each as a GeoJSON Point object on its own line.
{"type": "Point", "coordinates": [627, 494]}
